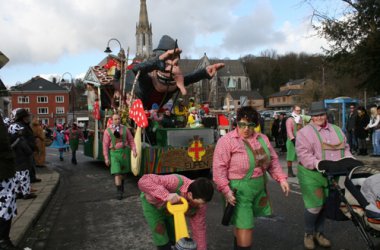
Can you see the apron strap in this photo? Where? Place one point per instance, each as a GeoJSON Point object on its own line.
{"type": "Point", "coordinates": [124, 135]}
{"type": "Point", "coordinates": [251, 158]}
{"type": "Point", "coordinates": [341, 138]}
{"type": "Point", "coordinates": [295, 127]}
{"type": "Point", "coordinates": [180, 183]}
{"type": "Point", "coordinates": [113, 139]}
{"type": "Point", "coordinates": [264, 145]}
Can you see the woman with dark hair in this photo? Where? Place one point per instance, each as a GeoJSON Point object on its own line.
{"type": "Point", "coordinates": [360, 132]}
{"type": "Point", "coordinates": [241, 159]}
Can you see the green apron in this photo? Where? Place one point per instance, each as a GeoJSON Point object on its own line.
{"type": "Point", "coordinates": [251, 197]}
{"type": "Point", "coordinates": [160, 221]}
{"type": "Point", "coordinates": [74, 140]}
{"type": "Point", "coordinates": [290, 148]}
{"type": "Point", "coordinates": [314, 186]}
{"type": "Point", "coordinates": [119, 157]}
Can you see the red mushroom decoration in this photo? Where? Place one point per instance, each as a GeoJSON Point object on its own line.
{"type": "Point", "coordinates": [137, 113]}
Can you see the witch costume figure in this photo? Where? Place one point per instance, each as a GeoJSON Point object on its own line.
{"type": "Point", "coordinates": [59, 140]}
{"type": "Point", "coordinates": [161, 77]}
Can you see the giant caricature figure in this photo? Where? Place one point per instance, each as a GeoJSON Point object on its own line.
{"type": "Point", "coordinates": [161, 76]}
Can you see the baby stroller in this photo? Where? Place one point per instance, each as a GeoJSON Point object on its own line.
{"type": "Point", "coordinates": [358, 200]}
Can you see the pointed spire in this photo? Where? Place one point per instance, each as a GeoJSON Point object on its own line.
{"type": "Point", "coordinates": [144, 47]}
{"type": "Point", "coordinates": [143, 20]}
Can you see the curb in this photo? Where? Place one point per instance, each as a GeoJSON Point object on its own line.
{"type": "Point", "coordinates": [29, 211]}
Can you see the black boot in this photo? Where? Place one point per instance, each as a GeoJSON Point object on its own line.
{"type": "Point", "coordinates": [5, 242]}
{"type": "Point", "coordinates": [119, 192]}
{"type": "Point", "coordinates": [7, 245]}
{"type": "Point", "coordinates": [122, 186]}
{"type": "Point", "coordinates": [242, 248]}
{"type": "Point", "coordinates": [290, 172]}
{"type": "Point", "coordinates": [167, 246]}
{"type": "Point", "coordinates": [365, 152]}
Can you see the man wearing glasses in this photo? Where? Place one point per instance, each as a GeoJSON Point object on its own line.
{"type": "Point", "coordinates": [293, 124]}
{"type": "Point", "coordinates": [351, 122]}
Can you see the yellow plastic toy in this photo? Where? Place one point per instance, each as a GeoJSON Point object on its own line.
{"type": "Point", "coordinates": [178, 211]}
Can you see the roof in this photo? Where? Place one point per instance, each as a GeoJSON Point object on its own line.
{"type": "Point", "coordinates": [296, 82]}
{"type": "Point", "coordinates": [3, 89]}
{"type": "Point", "coordinates": [231, 68]}
{"type": "Point", "coordinates": [99, 74]}
{"type": "Point", "coordinates": [288, 92]}
{"type": "Point", "coordinates": [253, 95]}
{"type": "Point", "coordinates": [39, 84]}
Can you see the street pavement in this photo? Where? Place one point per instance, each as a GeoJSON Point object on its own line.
{"type": "Point", "coordinates": [29, 211]}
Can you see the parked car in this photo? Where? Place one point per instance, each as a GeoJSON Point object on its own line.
{"type": "Point", "coordinates": [267, 114]}
{"type": "Point", "coordinates": [278, 112]}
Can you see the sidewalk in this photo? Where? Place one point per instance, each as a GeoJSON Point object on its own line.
{"type": "Point", "coordinates": [28, 211]}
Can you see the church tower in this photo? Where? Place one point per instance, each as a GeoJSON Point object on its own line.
{"type": "Point", "coordinates": [144, 47]}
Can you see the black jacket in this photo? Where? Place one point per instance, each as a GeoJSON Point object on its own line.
{"type": "Point", "coordinates": [22, 137]}
{"type": "Point", "coordinates": [275, 127]}
{"type": "Point", "coordinates": [361, 123]}
{"type": "Point", "coordinates": [145, 90]}
{"type": "Point", "coordinates": [168, 121]}
{"type": "Point", "coordinates": [351, 121]}
{"type": "Point", "coordinates": [7, 159]}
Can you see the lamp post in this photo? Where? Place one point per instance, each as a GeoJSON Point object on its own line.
{"type": "Point", "coordinates": [71, 89]}
{"type": "Point", "coordinates": [123, 59]}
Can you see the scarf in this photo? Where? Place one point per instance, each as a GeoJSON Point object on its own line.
{"type": "Point", "coordinates": [297, 118]}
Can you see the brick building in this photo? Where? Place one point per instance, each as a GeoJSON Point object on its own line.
{"type": "Point", "coordinates": [44, 99]}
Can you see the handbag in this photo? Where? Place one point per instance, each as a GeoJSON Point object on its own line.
{"type": "Point", "coordinates": [332, 206]}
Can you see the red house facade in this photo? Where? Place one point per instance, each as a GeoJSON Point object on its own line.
{"type": "Point", "coordinates": [44, 99]}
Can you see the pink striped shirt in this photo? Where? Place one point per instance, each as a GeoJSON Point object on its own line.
{"type": "Point", "coordinates": [231, 161]}
{"type": "Point", "coordinates": [309, 148]}
{"type": "Point", "coordinates": [157, 189]}
{"type": "Point", "coordinates": [290, 128]}
{"type": "Point", "coordinates": [107, 142]}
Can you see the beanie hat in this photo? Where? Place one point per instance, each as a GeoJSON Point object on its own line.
{"type": "Point", "coordinates": [155, 106]}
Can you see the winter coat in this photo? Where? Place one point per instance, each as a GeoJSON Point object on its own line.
{"type": "Point", "coordinates": [361, 123]}
{"type": "Point", "coordinates": [7, 159]}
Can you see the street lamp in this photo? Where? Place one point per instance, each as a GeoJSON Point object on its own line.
{"type": "Point", "coordinates": [123, 60]}
{"type": "Point", "coordinates": [70, 88]}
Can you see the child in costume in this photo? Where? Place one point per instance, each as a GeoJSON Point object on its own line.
{"type": "Point", "coordinates": [157, 190]}
{"type": "Point", "coordinates": [59, 140]}
{"type": "Point", "coordinates": [74, 134]}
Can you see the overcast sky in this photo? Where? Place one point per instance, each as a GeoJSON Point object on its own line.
{"type": "Point", "coordinates": [44, 37]}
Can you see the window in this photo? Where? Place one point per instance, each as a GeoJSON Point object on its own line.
{"type": "Point", "coordinates": [59, 99]}
{"type": "Point", "coordinates": [44, 121]}
{"type": "Point", "coordinates": [42, 111]}
{"type": "Point", "coordinates": [42, 99]}
{"type": "Point", "coordinates": [283, 99]}
{"type": "Point", "coordinates": [278, 99]}
{"type": "Point", "coordinates": [60, 120]}
{"type": "Point", "coordinates": [23, 99]}
{"type": "Point", "coordinates": [59, 110]}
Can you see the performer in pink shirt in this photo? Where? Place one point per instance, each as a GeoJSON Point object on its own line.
{"type": "Point", "coordinates": [241, 159]}
{"type": "Point", "coordinates": [115, 140]}
{"type": "Point", "coordinates": [157, 190]}
{"type": "Point", "coordinates": [317, 141]}
{"type": "Point", "coordinates": [293, 124]}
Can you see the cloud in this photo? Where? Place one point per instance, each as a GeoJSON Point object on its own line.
{"type": "Point", "coordinates": [43, 31]}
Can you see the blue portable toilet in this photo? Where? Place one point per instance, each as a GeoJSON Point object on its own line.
{"type": "Point", "coordinates": [338, 108]}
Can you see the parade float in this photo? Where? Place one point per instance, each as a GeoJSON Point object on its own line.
{"type": "Point", "coordinates": [175, 150]}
